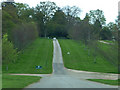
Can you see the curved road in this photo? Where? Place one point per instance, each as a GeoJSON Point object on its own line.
{"type": "Point", "coordinates": [64, 78]}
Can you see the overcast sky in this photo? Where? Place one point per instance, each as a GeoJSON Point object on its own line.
{"type": "Point", "coordinates": [109, 7]}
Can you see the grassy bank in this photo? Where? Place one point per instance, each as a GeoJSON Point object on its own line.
{"type": "Point", "coordinates": [39, 53]}
{"type": "Point", "coordinates": [104, 81]}
{"type": "Point", "coordinates": [110, 52]}
{"type": "Point", "coordinates": [12, 81]}
{"type": "Point", "coordinates": [78, 58]}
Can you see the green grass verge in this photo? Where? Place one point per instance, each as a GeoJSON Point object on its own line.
{"type": "Point", "coordinates": [12, 81]}
{"type": "Point", "coordinates": [40, 53]}
{"type": "Point", "coordinates": [104, 81]}
{"type": "Point", "coordinates": [79, 59]}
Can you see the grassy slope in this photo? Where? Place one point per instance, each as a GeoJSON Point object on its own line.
{"type": "Point", "coordinates": [110, 50]}
{"type": "Point", "coordinates": [38, 53]}
{"type": "Point", "coordinates": [110, 82]}
{"type": "Point", "coordinates": [9, 81]}
{"type": "Point", "coordinates": [79, 59]}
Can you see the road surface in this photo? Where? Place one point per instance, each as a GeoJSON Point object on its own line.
{"type": "Point", "coordinates": [64, 78]}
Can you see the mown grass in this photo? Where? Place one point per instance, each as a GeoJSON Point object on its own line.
{"type": "Point", "coordinates": [110, 52]}
{"type": "Point", "coordinates": [80, 60]}
{"type": "Point", "coordinates": [12, 81]}
{"type": "Point", "coordinates": [104, 81]}
{"type": "Point", "coordinates": [39, 53]}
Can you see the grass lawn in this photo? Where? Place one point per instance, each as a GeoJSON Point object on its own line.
{"type": "Point", "coordinates": [78, 58]}
{"type": "Point", "coordinates": [39, 53]}
{"type": "Point", "coordinates": [110, 52]}
{"type": "Point", "coordinates": [12, 81]}
{"type": "Point", "coordinates": [104, 81]}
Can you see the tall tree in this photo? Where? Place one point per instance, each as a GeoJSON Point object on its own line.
{"type": "Point", "coordinates": [9, 54]}
{"type": "Point", "coordinates": [73, 11]}
{"type": "Point", "coordinates": [38, 18]}
{"type": "Point", "coordinates": [47, 9]}
{"type": "Point", "coordinates": [57, 26]}
{"type": "Point", "coordinates": [106, 34]}
{"type": "Point", "coordinates": [97, 15]}
{"type": "Point", "coordinates": [97, 29]}
{"type": "Point", "coordinates": [72, 16]}
{"type": "Point", "coordinates": [9, 18]}
{"type": "Point", "coordinates": [113, 27]}
{"type": "Point", "coordinates": [24, 12]}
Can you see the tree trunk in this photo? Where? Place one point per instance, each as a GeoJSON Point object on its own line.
{"type": "Point", "coordinates": [95, 59]}
{"type": "Point", "coordinates": [7, 68]}
{"type": "Point", "coordinates": [88, 52]}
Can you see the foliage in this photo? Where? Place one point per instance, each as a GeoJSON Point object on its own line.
{"type": "Point", "coordinates": [7, 24]}
{"type": "Point", "coordinates": [106, 34]}
{"type": "Point", "coordinates": [24, 12]}
{"type": "Point", "coordinates": [24, 34]}
{"type": "Point", "coordinates": [9, 54]}
{"type": "Point", "coordinates": [48, 9]}
{"type": "Point", "coordinates": [113, 27]}
{"type": "Point", "coordinates": [72, 16]}
{"type": "Point", "coordinates": [12, 11]}
{"type": "Point", "coordinates": [43, 14]}
{"type": "Point", "coordinates": [57, 26]}
{"type": "Point", "coordinates": [97, 15]}
{"type": "Point", "coordinates": [38, 18]}
{"type": "Point", "coordinates": [73, 11]}
{"type": "Point", "coordinates": [82, 30]}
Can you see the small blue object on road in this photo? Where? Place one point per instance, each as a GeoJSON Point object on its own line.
{"type": "Point", "coordinates": [38, 67]}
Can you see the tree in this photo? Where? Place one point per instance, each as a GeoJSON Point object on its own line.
{"type": "Point", "coordinates": [24, 12]}
{"type": "Point", "coordinates": [57, 26]}
{"type": "Point", "coordinates": [73, 11]}
{"type": "Point", "coordinates": [21, 8]}
{"type": "Point", "coordinates": [106, 34]}
{"type": "Point", "coordinates": [24, 34]}
{"type": "Point", "coordinates": [9, 18]}
{"type": "Point", "coordinates": [7, 24]}
{"type": "Point", "coordinates": [11, 10]}
{"type": "Point", "coordinates": [38, 18]}
{"type": "Point", "coordinates": [59, 17]}
{"type": "Point", "coordinates": [97, 15]}
{"type": "Point", "coordinates": [47, 9]}
{"type": "Point", "coordinates": [113, 27]}
{"type": "Point", "coordinates": [72, 18]}
{"type": "Point", "coordinates": [9, 53]}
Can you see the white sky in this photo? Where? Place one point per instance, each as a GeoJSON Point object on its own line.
{"type": "Point", "coordinates": [109, 7]}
